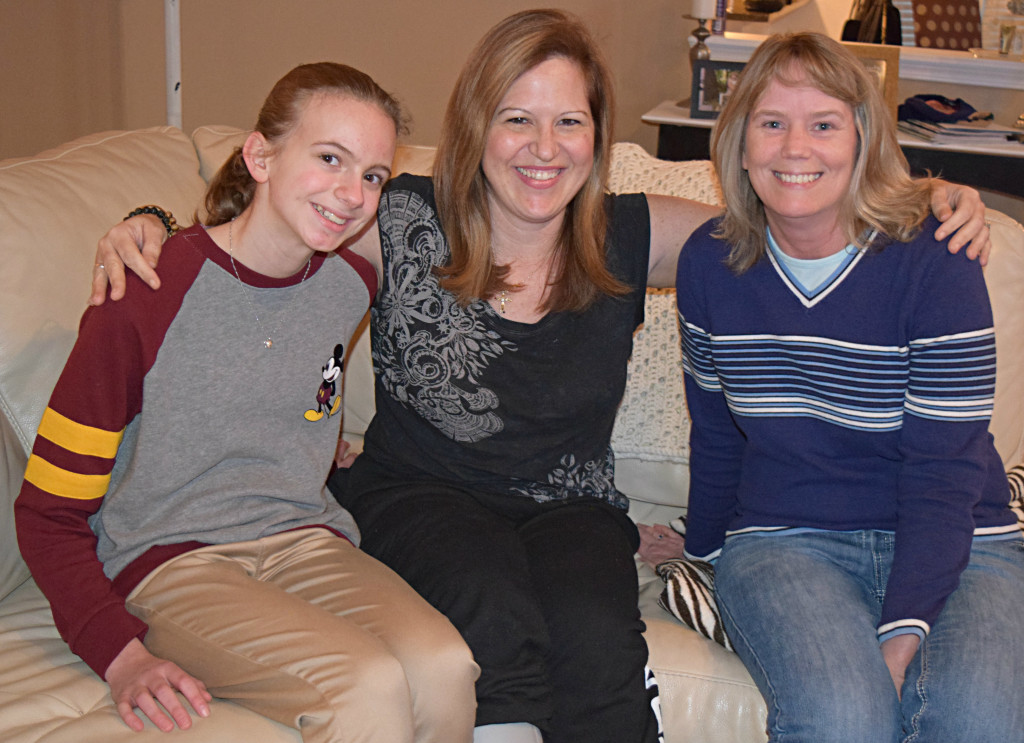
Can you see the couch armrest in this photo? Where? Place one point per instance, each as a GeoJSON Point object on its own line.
{"type": "Point", "coordinates": [53, 208]}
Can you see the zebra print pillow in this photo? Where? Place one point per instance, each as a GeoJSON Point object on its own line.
{"type": "Point", "coordinates": [689, 595]}
{"type": "Point", "coordinates": [1016, 478]}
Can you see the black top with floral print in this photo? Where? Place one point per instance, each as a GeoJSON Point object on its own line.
{"type": "Point", "coordinates": [467, 397]}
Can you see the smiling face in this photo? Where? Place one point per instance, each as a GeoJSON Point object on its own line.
{"type": "Point", "coordinates": [540, 146]}
{"type": "Point", "coordinates": [323, 180]}
{"type": "Point", "coordinates": [799, 152]}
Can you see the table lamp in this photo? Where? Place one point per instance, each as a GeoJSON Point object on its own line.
{"type": "Point", "coordinates": [701, 11]}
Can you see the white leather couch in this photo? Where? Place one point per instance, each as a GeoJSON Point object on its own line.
{"type": "Point", "coordinates": [53, 208]}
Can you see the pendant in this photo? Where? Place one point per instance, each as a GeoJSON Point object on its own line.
{"type": "Point", "coordinates": [268, 343]}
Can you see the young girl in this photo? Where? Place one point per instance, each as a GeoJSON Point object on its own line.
{"type": "Point", "coordinates": [174, 510]}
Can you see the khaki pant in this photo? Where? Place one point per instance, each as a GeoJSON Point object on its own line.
{"type": "Point", "coordinates": [304, 628]}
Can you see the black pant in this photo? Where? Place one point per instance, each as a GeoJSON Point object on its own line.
{"type": "Point", "coordinates": [545, 594]}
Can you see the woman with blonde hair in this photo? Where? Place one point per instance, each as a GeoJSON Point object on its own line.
{"type": "Point", "coordinates": [840, 371]}
{"type": "Point", "coordinates": [511, 284]}
{"type": "Point", "coordinates": [882, 195]}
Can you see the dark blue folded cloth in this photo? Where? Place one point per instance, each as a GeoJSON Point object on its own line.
{"type": "Point", "coordinates": [917, 108]}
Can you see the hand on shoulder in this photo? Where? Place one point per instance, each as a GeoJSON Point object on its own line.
{"type": "Point", "coordinates": [962, 214]}
{"type": "Point", "coordinates": [134, 243]}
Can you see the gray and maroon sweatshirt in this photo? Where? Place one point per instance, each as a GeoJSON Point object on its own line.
{"type": "Point", "coordinates": [174, 426]}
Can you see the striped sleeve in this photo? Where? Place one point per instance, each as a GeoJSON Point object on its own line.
{"type": "Point", "coordinates": [716, 444]}
{"type": "Point", "coordinates": [68, 475]}
{"type": "Point", "coordinates": [75, 446]}
{"type": "Point", "coordinates": [944, 441]}
{"type": "Point", "coordinates": [953, 377]}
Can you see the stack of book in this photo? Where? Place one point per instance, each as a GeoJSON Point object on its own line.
{"type": "Point", "coordinates": [961, 132]}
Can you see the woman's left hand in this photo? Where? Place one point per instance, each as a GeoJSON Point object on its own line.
{"type": "Point", "coordinates": [962, 213]}
{"type": "Point", "coordinates": [898, 652]}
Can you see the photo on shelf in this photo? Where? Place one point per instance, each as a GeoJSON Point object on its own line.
{"type": "Point", "coordinates": [884, 62]}
{"type": "Point", "coordinates": [713, 81]}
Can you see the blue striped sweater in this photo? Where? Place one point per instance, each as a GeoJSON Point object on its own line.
{"type": "Point", "coordinates": [861, 405]}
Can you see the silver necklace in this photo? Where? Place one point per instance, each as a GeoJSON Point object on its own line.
{"type": "Point", "coordinates": [268, 342]}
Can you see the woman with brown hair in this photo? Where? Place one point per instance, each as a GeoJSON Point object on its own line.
{"type": "Point", "coordinates": [511, 284]}
{"type": "Point", "coordinates": [511, 287]}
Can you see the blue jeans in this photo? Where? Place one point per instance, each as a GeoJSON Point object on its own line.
{"type": "Point", "coordinates": [802, 609]}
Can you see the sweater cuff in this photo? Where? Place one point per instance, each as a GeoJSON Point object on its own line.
{"type": "Point", "coordinates": [903, 627]}
{"type": "Point", "coordinates": [105, 635]}
{"type": "Point", "coordinates": [711, 557]}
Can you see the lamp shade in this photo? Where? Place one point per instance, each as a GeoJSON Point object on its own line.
{"type": "Point", "coordinates": [701, 8]}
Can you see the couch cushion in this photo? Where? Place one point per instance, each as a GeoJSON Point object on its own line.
{"type": "Point", "coordinates": [633, 170]}
{"type": "Point", "coordinates": [1004, 277]}
{"type": "Point", "coordinates": [706, 693]}
{"type": "Point", "coordinates": [53, 209]}
{"type": "Point", "coordinates": [213, 146]}
{"type": "Point", "coordinates": [48, 694]}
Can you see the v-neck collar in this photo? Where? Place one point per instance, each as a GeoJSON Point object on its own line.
{"type": "Point", "coordinates": [811, 297]}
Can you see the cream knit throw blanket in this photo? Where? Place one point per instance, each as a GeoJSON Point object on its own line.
{"type": "Point", "coordinates": [652, 423]}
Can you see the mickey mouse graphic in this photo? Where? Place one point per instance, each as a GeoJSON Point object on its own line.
{"type": "Point", "coordinates": [326, 399]}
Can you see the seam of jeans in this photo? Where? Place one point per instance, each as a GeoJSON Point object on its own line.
{"type": "Point", "coordinates": [914, 723]}
{"type": "Point", "coordinates": [878, 562]}
{"type": "Point", "coordinates": [774, 711]}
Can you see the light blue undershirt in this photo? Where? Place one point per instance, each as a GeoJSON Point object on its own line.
{"type": "Point", "coordinates": [809, 272]}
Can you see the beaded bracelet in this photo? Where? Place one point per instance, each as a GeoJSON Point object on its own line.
{"type": "Point", "coordinates": [170, 224]}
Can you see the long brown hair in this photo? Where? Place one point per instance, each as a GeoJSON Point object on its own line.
{"type": "Point", "coordinates": [882, 196]}
{"type": "Point", "coordinates": [232, 188]}
{"type": "Point", "coordinates": [511, 48]}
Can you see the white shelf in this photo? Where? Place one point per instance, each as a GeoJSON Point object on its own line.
{"type": "Point", "coordinates": [916, 63]}
{"type": "Point", "coordinates": [667, 112]}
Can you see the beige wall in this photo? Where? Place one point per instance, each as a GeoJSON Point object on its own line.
{"type": "Point", "coordinates": [71, 67]}
{"type": "Point", "coordinates": [60, 72]}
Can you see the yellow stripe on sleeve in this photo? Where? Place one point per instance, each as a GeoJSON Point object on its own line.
{"type": "Point", "coordinates": [67, 484]}
{"type": "Point", "coordinates": [79, 438]}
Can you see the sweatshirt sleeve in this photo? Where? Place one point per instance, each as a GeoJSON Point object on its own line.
{"type": "Point", "coordinates": [67, 477]}
{"type": "Point", "coordinates": [944, 441]}
{"type": "Point", "coordinates": [716, 444]}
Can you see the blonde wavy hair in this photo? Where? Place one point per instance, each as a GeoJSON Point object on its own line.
{"type": "Point", "coordinates": [511, 48]}
{"type": "Point", "coordinates": [882, 197]}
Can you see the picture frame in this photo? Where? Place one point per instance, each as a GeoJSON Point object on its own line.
{"type": "Point", "coordinates": [884, 61]}
{"type": "Point", "coordinates": [712, 81]}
